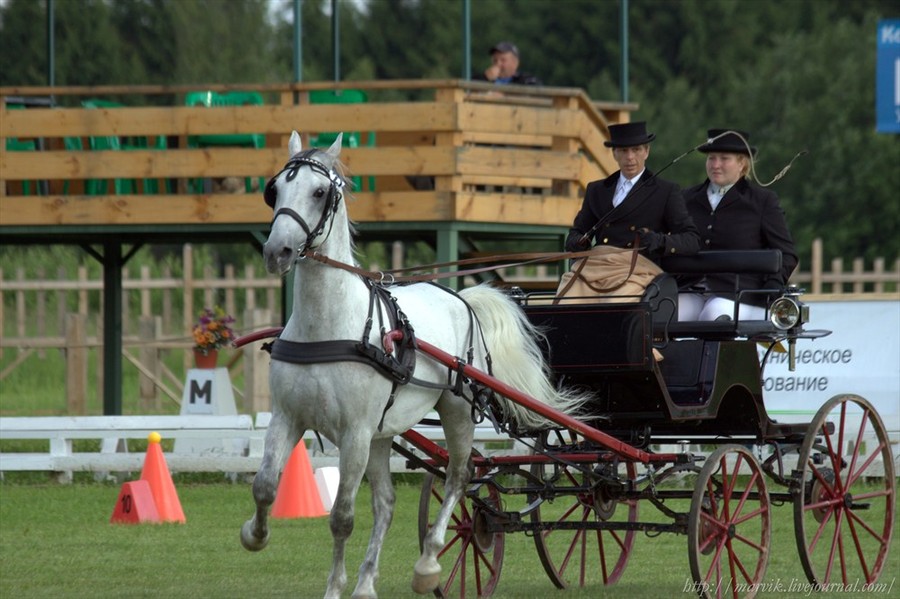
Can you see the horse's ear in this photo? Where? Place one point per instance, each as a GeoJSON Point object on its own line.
{"type": "Point", "coordinates": [294, 145]}
{"type": "Point", "coordinates": [335, 149]}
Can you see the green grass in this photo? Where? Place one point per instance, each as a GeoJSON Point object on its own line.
{"type": "Point", "coordinates": [56, 541]}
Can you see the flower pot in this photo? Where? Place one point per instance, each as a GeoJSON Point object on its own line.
{"type": "Point", "coordinates": [207, 360]}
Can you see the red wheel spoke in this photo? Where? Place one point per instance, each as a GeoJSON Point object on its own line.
{"type": "Point", "coordinates": [852, 517]}
{"type": "Point", "coordinates": [881, 493]}
{"type": "Point", "coordinates": [603, 569]}
{"type": "Point", "coordinates": [716, 561]}
{"type": "Point", "coordinates": [852, 477]}
{"type": "Point", "coordinates": [859, 437]}
{"type": "Point", "coordinates": [713, 520]}
{"type": "Point", "coordinates": [859, 550]}
{"type": "Point", "coordinates": [750, 543]}
{"type": "Point", "coordinates": [822, 480]}
{"type": "Point", "coordinates": [750, 515]}
{"type": "Point", "coordinates": [735, 560]}
{"type": "Point", "coordinates": [456, 537]}
{"type": "Point", "coordinates": [835, 539]}
{"type": "Point", "coordinates": [820, 530]}
{"type": "Point", "coordinates": [744, 496]}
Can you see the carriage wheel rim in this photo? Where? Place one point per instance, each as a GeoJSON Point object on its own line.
{"type": "Point", "coordinates": [848, 509]}
{"type": "Point", "coordinates": [729, 525]}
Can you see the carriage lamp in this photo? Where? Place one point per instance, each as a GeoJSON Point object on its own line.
{"type": "Point", "coordinates": [784, 313]}
{"type": "Point", "coordinates": [787, 311]}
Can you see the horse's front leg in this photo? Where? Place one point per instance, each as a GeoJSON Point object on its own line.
{"type": "Point", "coordinates": [458, 431]}
{"type": "Point", "coordinates": [281, 437]}
{"type": "Point", "coordinates": [353, 459]}
{"type": "Point", "coordinates": [379, 474]}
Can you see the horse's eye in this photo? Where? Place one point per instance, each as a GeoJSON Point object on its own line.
{"type": "Point", "coordinates": [319, 193]}
{"type": "Point", "coordinates": [270, 194]}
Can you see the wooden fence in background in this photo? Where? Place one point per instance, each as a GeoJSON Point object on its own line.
{"type": "Point", "coordinates": [41, 311]}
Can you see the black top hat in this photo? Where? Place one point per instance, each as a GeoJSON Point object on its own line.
{"type": "Point", "coordinates": [629, 134]}
{"type": "Point", "coordinates": [504, 47]}
{"type": "Point", "coordinates": [727, 140]}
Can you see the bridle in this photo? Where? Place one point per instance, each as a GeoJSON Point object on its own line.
{"type": "Point", "coordinates": [332, 201]}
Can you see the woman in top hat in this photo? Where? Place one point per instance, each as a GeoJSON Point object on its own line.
{"type": "Point", "coordinates": [632, 206]}
{"type": "Point", "coordinates": [734, 213]}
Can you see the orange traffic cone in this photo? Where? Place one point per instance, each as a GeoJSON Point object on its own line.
{"type": "Point", "coordinates": [135, 504]}
{"type": "Point", "coordinates": [156, 473]}
{"type": "Point", "coordinates": [298, 494]}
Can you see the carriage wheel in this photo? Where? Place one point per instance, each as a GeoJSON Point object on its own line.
{"type": "Point", "coordinates": [574, 556]}
{"type": "Point", "coordinates": [472, 557]}
{"type": "Point", "coordinates": [729, 525]}
{"type": "Point", "coordinates": [845, 492]}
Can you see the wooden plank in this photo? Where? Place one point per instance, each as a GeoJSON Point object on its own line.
{"type": "Point", "coordinates": [188, 120]}
{"type": "Point", "coordinates": [206, 209]}
{"type": "Point", "coordinates": [516, 208]}
{"type": "Point", "coordinates": [134, 210]}
{"type": "Point", "coordinates": [409, 206]}
{"type": "Point", "coordinates": [507, 139]}
{"type": "Point", "coordinates": [513, 181]}
{"type": "Point", "coordinates": [213, 162]}
{"type": "Point", "coordinates": [519, 119]}
{"type": "Point", "coordinates": [518, 162]}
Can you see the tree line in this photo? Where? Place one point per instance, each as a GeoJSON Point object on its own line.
{"type": "Point", "coordinates": [799, 75]}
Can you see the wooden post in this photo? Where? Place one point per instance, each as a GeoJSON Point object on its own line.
{"type": "Point", "coordinates": [76, 364]}
{"type": "Point", "coordinates": [256, 365]}
{"type": "Point", "coordinates": [816, 266]}
{"type": "Point", "coordinates": [41, 321]}
{"type": "Point", "coordinates": [150, 328]}
{"type": "Point", "coordinates": [187, 317]}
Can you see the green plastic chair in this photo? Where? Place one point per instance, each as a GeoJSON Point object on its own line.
{"type": "Point", "coordinates": [212, 99]}
{"type": "Point", "coordinates": [105, 142]}
{"type": "Point", "coordinates": [14, 144]}
{"type": "Point", "coordinates": [351, 139]}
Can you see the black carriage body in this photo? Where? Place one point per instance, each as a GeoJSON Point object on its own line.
{"type": "Point", "coordinates": [701, 387]}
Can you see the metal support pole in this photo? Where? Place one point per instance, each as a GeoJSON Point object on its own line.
{"type": "Point", "coordinates": [336, 38]}
{"type": "Point", "coordinates": [467, 40]}
{"type": "Point", "coordinates": [298, 45]}
{"type": "Point", "coordinates": [112, 328]}
{"type": "Point", "coordinates": [623, 43]}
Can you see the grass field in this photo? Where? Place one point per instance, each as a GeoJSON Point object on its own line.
{"type": "Point", "coordinates": [56, 541]}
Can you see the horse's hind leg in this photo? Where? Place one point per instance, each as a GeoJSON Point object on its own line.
{"type": "Point", "coordinates": [353, 460]}
{"type": "Point", "coordinates": [379, 474]}
{"type": "Point", "coordinates": [281, 437]}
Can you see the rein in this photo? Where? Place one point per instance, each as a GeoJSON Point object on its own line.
{"type": "Point", "coordinates": [389, 277]}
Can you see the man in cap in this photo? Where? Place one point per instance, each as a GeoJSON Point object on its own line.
{"type": "Point", "coordinates": [504, 67]}
{"type": "Point", "coordinates": [633, 206]}
{"type": "Point", "coordinates": [734, 213]}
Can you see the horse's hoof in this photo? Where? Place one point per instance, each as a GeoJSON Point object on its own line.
{"type": "Point", "coordinates": [250, 541]}
{"type": "Point", "coordinates": [425, 583]}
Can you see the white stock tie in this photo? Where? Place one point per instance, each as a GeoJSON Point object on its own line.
{"type": "Point", "coordinates": [715, 196]}
{"type": "Point", "coordinates": [621, 192]}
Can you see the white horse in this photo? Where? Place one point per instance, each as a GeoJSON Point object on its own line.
{"type": "Point", "coordinates": [347, 401]}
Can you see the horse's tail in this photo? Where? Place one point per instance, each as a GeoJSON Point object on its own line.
{"type": "Point", "coordinates": [516, 357]}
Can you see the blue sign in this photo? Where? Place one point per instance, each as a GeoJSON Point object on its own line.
{"type": "Point", "coordinates": [887, 77]}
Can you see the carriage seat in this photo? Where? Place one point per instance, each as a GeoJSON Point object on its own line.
{"type": "Point", "coordinates": [722, 262]}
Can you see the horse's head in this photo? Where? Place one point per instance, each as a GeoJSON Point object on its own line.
{"type": "Point", "coordinates": [305, 196]}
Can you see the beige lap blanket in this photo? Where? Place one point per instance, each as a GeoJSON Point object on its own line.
{"type": "Point", "coordinates": [606, 276]}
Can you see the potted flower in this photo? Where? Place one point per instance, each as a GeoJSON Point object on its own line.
{"type": "Point", "coordinates": [212, 332]}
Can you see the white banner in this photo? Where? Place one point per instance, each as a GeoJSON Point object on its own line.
{"type": "Point", "coordinates": [861, 356]}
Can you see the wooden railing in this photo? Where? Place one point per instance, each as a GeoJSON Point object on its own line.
{"type": "Point", "coordinates": [522, 157]}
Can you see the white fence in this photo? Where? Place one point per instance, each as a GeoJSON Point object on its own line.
{"type": "Point", "coordinates": [203, 443]}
